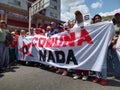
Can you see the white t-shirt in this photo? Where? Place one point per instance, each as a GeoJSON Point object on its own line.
{"type": "Point", "coordinates": [78, 24]}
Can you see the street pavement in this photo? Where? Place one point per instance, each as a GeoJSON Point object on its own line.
{"type": "Point", "coordinates": [35, 78]}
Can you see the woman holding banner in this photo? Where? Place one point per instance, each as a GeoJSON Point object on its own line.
{"type": "Point", "coordinates": [103, 74]}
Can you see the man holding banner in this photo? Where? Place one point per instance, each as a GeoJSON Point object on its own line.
{"type": "Point", "coordinates": [114, 53]}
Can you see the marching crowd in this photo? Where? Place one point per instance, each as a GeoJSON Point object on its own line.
{"type": "Point", "coordinates": [9, 46]}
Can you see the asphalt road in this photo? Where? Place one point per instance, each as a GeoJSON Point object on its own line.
{"type": "Point", "coordinates": [34, 78]}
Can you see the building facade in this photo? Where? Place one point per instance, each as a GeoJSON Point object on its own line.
{"type": "Point", "coordinates": [15, 13]}
{"type": "Point", "coordinates": [54, 10]}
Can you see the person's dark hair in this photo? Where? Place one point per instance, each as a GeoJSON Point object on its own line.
{"type": "Point", "coordinates": [77, 12]}
{"type": "Point", "coordinates": [97, 15]}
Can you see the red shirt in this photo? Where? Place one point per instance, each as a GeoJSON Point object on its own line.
{"type": "Point", "coordinates": [15, 41]}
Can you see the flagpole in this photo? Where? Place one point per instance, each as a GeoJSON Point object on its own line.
{"type": "Point", "coordinates": [30, 16]}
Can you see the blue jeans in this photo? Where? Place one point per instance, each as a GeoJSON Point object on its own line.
{"type": "Point", "coordinates": [2, 46]}
{"type": "Point", "coordinates": [6, 56]}
{"type": "Point", "coordinates": [16, 54]}
{"type": "Point", "coordinates": [113, 63]}
{"type": "Point", "coordinates": [102, 74]}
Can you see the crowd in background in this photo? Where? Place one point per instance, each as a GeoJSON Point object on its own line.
{"type": "Point", "coordinates": [9, 46]}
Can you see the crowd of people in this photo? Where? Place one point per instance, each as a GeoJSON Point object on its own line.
{"type": "Point", "coordinates": [9, 46]}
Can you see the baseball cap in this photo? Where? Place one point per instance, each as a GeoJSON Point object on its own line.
{"type": "Point", "coordinates": [51, 23]}
{"type": "Point", "coordinates": [118, 13]}
{"type": "Point", "coordinates": [39, 29]}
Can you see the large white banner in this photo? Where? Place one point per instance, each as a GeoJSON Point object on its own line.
{"type": "Point", "coordinates": [80, 48]}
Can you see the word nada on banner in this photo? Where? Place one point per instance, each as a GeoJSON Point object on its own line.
{"type": "Point", "coordinates": [58, 58]}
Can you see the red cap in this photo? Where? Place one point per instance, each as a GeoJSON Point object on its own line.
{"type": "Point", "coordinates": [118, 13]}
{"type": "Point", "coordinates": [39, 29]}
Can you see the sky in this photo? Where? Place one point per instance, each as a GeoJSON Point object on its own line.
{"type": "Point", "coordinates": [88, 7]}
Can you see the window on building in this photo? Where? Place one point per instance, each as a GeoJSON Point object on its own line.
{"type": "Point", "coordinates": [31, 0]}
{"type": "Point", "coordinates": [51, 14]}
{"type": "Point", "coordinates": [15, 2]}
{"type": "Point", "coordinates": [17, 16]}
{"type": "Point", "coordinates": [53, 6]}
{"type": "Point", "coordinates": [54, 15]}
{"type": "Point", "coordinates": [54, 0]}
{"type": "Point", "coordinates": [18, 3]}
{"type": "Point", "coordinates": [43, 12]}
